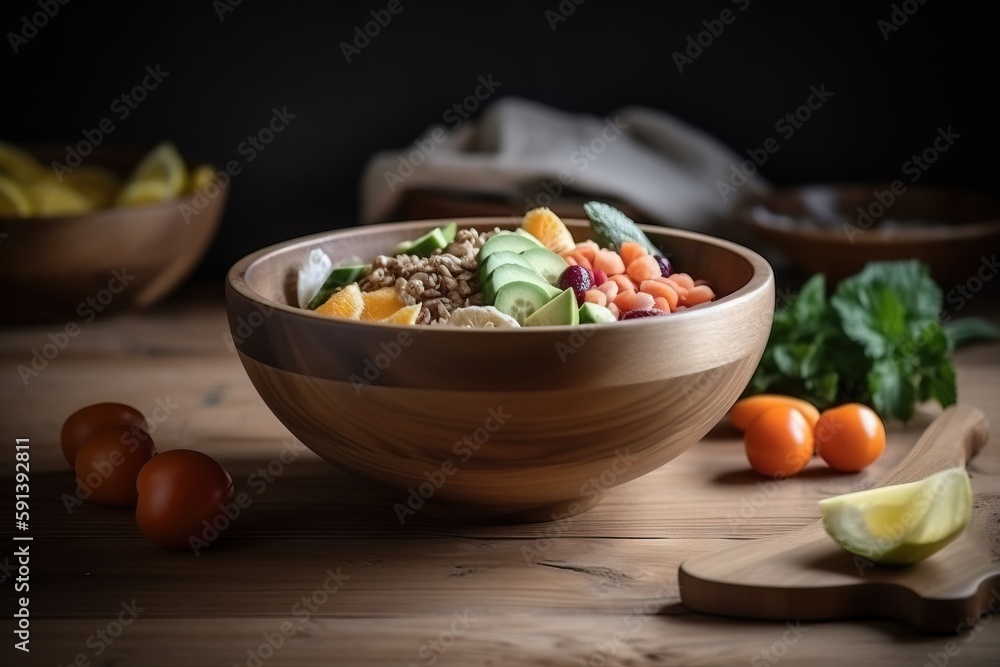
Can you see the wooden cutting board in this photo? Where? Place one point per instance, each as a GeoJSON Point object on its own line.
{"type": "Point", "coordinates": [805, 575]}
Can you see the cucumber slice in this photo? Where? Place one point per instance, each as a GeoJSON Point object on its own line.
{"type": "Point", "coordinates": [449, 231]}
{"type": "Point", "coordinates": [509, 273]}
{"type": "Point", "coordinates": [561, 310]}
{"type": "Point", "coordinates": [530, 237]}
{"type": "Point", "coordinates": [521, 299]}
{"type": "Point", "coordinates": [425, 245]}
{"type": "Point", "coordinates": [504, 241]}
{"type": "Point", "coordinates": [498, 259]}
{"type": "Point", "coordinates": [547, 263]}
{"type": "Point", "coordinates": [591, 313]}
{"type": "Point", "coordinates": [339, 277]}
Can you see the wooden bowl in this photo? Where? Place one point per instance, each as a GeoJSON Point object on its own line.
{"type": "Point", "coordinates": [499, 424]}
{"type": "Point", "coordinates": [837, 229]}
{"type": "Point", "coordinates": [73, 267]}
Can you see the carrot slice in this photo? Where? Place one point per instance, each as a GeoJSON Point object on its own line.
{"type": "Point", "coordinates": [699, 294]}
{"type": "Point", "coordinates": [580, 259]}
{"type": "Point", "coordinates": [624, 282]}
{"type": "Point", "coordinates": [587, 249]}
{"type": "Point", "coordinates": [630, 251]}
{"type": "Point", "coordinates": [660, 291]}
{"type": "Point", "coordinates": [683, 280]}
{"type": "Point", "coordinates": [609, 261]}
{"type": "Point", "coordinates": [662, 304]}
{"type": "Point", "coordinates": [630, 300]}
{"type": "Point", "coordinates": [610, 289]}
{"type": "Point", "coordinates": [643, 268]}
{"type": "Point", "coordinates": [614, 310]}
{"type": "Point", "coordinates": [595, 296]}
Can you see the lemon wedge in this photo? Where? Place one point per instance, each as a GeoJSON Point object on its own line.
{"type": "Point", "coordinates": [18, 165]}
{"type": "Point", "coordinates": [14, 202]}
{"type": "Point", "coordinates": [99, 185]}
{"type": "Point", "coordinates": [904, 523]}
{"type": "Point", "coordinates": [52, 198]}
{"type": "Point", "coordinates": [161, 175]}
{"type": "Point", "coordinates": [481, 317]}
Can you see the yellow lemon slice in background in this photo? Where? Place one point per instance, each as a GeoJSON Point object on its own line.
{"type": "Point", "coordinates": [14, 202]}
{"type": "Point", "coordinates": [99, 185]}
{"type": "Point", "coordinates": [162, 166]}
{"type": "Point", "coordinates": [201, 177]}
{"type": "Point", "coordinates": [51, 198]}
{"type": "Point", "coordinates": [904, 523]}
{"type": "Point", "coordinates": [19, 165]}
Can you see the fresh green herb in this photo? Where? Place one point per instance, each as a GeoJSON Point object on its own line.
{"type": "Point", "coordinates": [611, 227]}
{"type": "Point", "coordinates": [878, 340]}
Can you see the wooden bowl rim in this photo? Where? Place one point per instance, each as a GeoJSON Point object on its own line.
{"type": "Point", "coordinates": [873, 236]}
{"type": "Point", "coordinates": [761, 279]}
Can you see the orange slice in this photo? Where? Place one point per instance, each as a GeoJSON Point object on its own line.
{"type": "Point", "coordinates": [380, 304]}
{"type": "Point", "coordinates": [405, 315]}
{"type": "Point", "coordinates": [346, 303]}
{"type": "Point", "coordinates": [546, 226]}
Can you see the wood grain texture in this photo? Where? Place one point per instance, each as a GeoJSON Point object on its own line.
{"type": "Point", "coordinates": [501, 425]}
{"type": "Point", "coordinates": [586, 579]}
{"type": "Point", "coordinates": [806, 575]}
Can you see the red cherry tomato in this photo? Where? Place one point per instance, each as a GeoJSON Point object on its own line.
{"type": "Point", "coordinates": [179, 492]}
{"type": "Point", "coordinates": [109, 462]}
{"type": "Point", "coordinates": [86, 421]}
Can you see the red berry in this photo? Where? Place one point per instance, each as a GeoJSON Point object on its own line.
{"type": "Point", "coordinates": [600, 277]}
{"type": "Point", "coordinates": [578, 278]}
{"type": "Point", "coordinates": [641, 312]}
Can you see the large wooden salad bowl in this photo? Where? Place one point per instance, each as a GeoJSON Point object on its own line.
{"type": "Point", "coordinates": [525, 424]}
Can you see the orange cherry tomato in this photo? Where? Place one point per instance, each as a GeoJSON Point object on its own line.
{"type": "Point", "coordinates": [849, 437]}
{"type": "Point", "coordinates": [779, 441]}
{"type": "Point", "coordinates": [746, 409]}
{"type": "Point", "coordinates": [179, 492]}
{"type": "Point", "coordinates": [108, 464]}
{"type": "Point", "coordinates": [86, 421]}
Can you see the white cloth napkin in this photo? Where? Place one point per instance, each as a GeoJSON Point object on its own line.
{"type": "Point", "coordinates": [665, 168]}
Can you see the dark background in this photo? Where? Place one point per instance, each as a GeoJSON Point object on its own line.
{"type": "Point", "coordinates": [938, 69]}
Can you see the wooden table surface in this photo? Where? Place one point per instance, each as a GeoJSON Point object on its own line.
{"type": "Point", "coordinates": [317, 570]}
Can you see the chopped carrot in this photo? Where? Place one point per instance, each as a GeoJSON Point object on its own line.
{"type": "Point", "coordinates": [614, 310]}
{"type": "Point", "coordinates": [609, 261]}
{"type": "Point", "coordinates": [595, 296]}
{"type": "Point", "coordinates": [661, 304]}
{"type": "Point", "coordinates": [570, 260]}
{"type": "Point", "coordinates": [580, 259]}
{"type": "Point", "coordinates": [588, 249]}
{"type": "Point", "coordinates": [681, 291]}
{"type": "Point", "coordinates": [699, 294]}
{"type": "Point", "coordinates": [610, 289]}
{"type": "Point", "coordinates": [630, 300]}
{"type": "Point", "coordinates": [643, 268]}
{"type": "Point", "coordinates": [660, 291]}
{"type": "Point", "coordinates": [630, 251]}
{"type": "Point", "coordinates": [624, 282]}
{"type": "Point", "coordinates": [682, 279]}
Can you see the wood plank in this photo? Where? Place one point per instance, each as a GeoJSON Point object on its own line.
{"type": "Point", "coordinates": [668, 637]}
